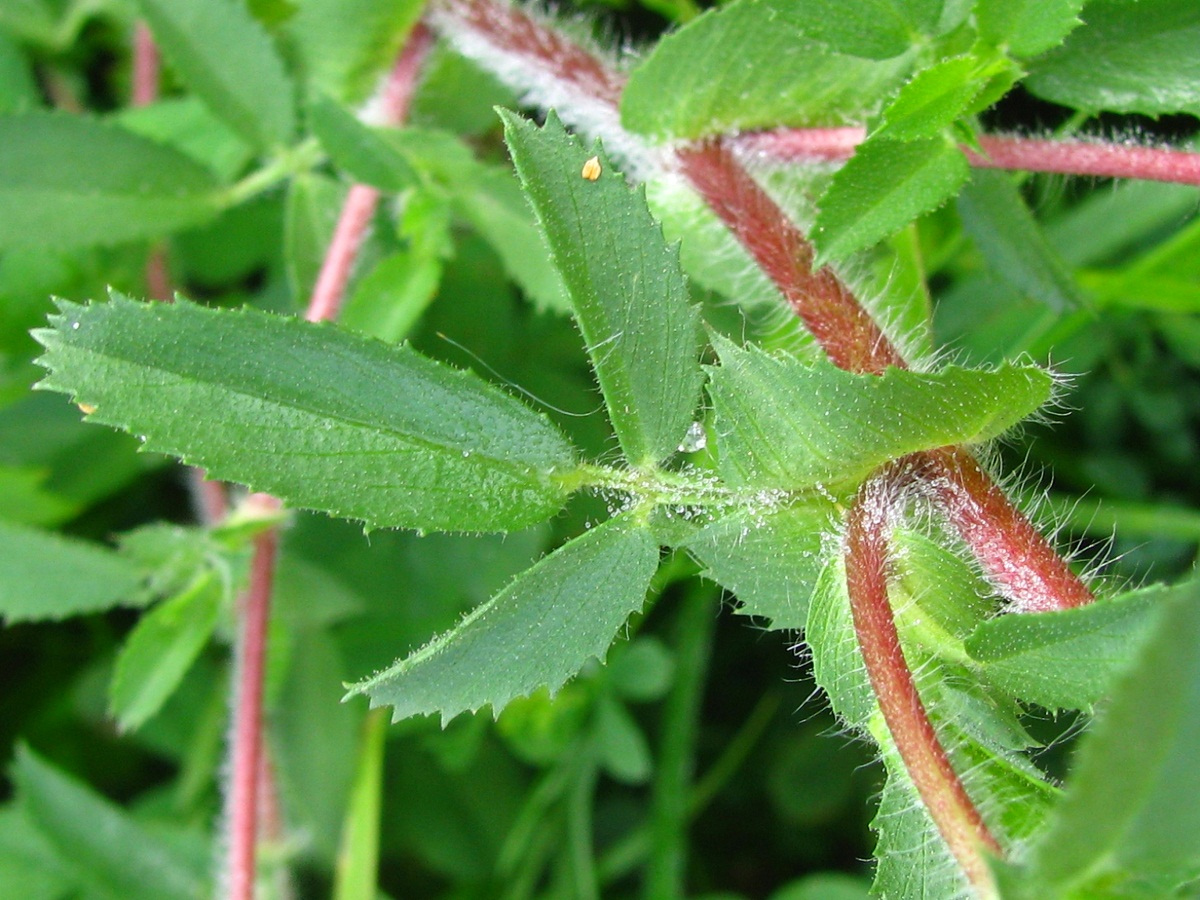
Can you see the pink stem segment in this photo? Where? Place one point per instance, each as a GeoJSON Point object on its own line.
{"type": "Point", "coordinates": [953, 813]}
{"type": "Point", "coordinates": [1027, 154]}
{"type": "Point", "coordinates": [243, 799]}
{"type": "Point", "coordinates": [146, 65]}
{"type": "Point", "coordinates": [361, 201]}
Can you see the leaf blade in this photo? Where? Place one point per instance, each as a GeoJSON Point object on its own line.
{"type": "Point", "coordinates": [626, 287]}
{"type": "Point", "coordinates": [48, 576]}
{"type": "Point", "coordinates": [1064, 659]}
{"type": "Point", "coordinates": [100, 841]}
{"type": "Point", "coordinates": [787, 425]}
{"type": "Point", "coordinates": [1134, 58]}
{"type": "Point", "coordinates": [535, 633]}
{"type": "Point", "coordinates": [160, 650]}
{"type": "Point", "coordinates": [883, 187]}
{"type": "Point", "coordinates": [368, 431]}
{"type": "Point", "coordinates": [691, 85]}
{"type": "Point", "coordinates": [71, 181]}
{"type": "Point", "coordinates": [1128, 817]}
{"type": "Point", "coordinates": [230, 62]}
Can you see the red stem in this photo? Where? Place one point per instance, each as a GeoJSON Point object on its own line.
{"type": "Point", "coordinates": [1018, 559]}
{"type": "Point", "coordinates": [841, 326]}
{"type": "Point", "coordinates": [950, 807]}
{"type": "Point", "coordinates": [359, 206]}
{"type": "Point", "coordinates": [247, 760]}
{"type": "Point", "coordinates": [1026, 154]}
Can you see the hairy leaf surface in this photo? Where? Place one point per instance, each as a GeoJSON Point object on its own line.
{"type": "Point", "coordinates": [787, 425]}
{"type": "Point", "coordinates": [883, 187]}
{"type": "Point", "coordinates": [625, 284]}
{"type": "Point", "coordinates": [537, 632]}
{"type": "Point", "coordinates": [1129, 822]}
{"type": "Point", "coordinates": [769, 558]}
{"type": "Point", "coordinates": [229, 61]}
{"type": "Point", "coordinates": [1129, 57]}
{"type": "Point", "coordinates": [1065, 659]}
{"type": "Point", "coordinates": [1027, 27]}
{"type": "Point", "coordinates": [692, 85]}
{"type": "Point", "coordinates": [71, 180]}
{"type": "Point", "coordinates": [321, 418]}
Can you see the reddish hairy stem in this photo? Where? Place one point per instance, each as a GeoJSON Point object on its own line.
{"type": "Point", "coordinates": [359, 206]}
{"type": "Point", "coordinates": [1016, 556]}
{"type": "Point", "coordinates": [847, 333]}
{"type": "Point", "coordinates": [1026, 154]}
{"type": "Point", "coordinates": [247, 761]}
{"type": "Point", "coordinates": [841, 326]}
{"type": "Point", "coordinates": [514, 31]}
{"type": "Point", "coordinates": [251, 789]}
{"type": "Point", "coordinates": [950, 807]}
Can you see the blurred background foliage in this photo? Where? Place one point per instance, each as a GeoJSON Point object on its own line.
{"type": "Point", "coordinates": [481, 809]}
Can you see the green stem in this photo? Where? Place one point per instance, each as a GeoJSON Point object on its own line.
{"type": "Point", "coordinates": [294, 160]}
{"type": "Point", "coordinates": [670, 807]}
{"type": "Point", "coordinates": [628, 853]}
{"type": "Point", "coordinates": [581, 852]}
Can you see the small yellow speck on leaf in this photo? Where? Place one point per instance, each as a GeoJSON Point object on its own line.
{"type": "Point", "coordinates": [86, 408]}
{"type": "Point", "coordinates": [591, 169]}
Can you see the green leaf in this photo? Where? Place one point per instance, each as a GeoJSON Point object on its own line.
{"type": "Point", "coordinates": [160, 650]}
{"type": "Point", "coordinates": [933, 99]}
{"type": "Point", "coordinates": [110, 852]}
{"type": "Point", "coordinates": [883, 187]}
{"type": "Point", "coordinates": [227, 58]}
{"type": "Point", "coordinates": [186, 124]}
{"type": "Point", "coordinates": [25, 500]}
{"type": "Point", "coordinates": [1027, 27]}
{"type": "Point", "coordinates": [623, 750]}
{"type": "Point", "coordinates": [490, 199]}
{"type": "Point", "coordinates": [359, 149]}
{"type": "Point", "coordinates": [389, 300]}
{"type": "Point", "coordinates": [625, 283]}
{"type": "Point", "coordinates": [1129, 57]}
{"type": "Point", "coordinates": [692, 85]}
{"type": "Point", "coordinates": [70, 180]}
{"type": "Point", "coordinates": [1129, 824]}
{"type": "Point", "coordinates": [787, 425]}
{"type": "Point", "coordinates": [537, 632]}
{"type": "Point", "coordinates": [769, 559]}
{"type": "Point", "coordinates": [995, 215]}
{"type": "Point", "coordinates": [347, 44]}
{"type": "Point", "coordinates": [321, 418]}
{"type": "Point", "coordinates": [47, 576]}
{"type": "Point", "coordinates": [1065, 659]}
{"type": "Point", "coordinates": [314, 203]}
{"type": "Point", "coordinates": [18, 90]}
{"type": "Point", "coordinates": [876, 29]}
{"type": "Point", "coordinates": [358, 856]}
{"type": "Point", "coordinates": [837, 661]}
